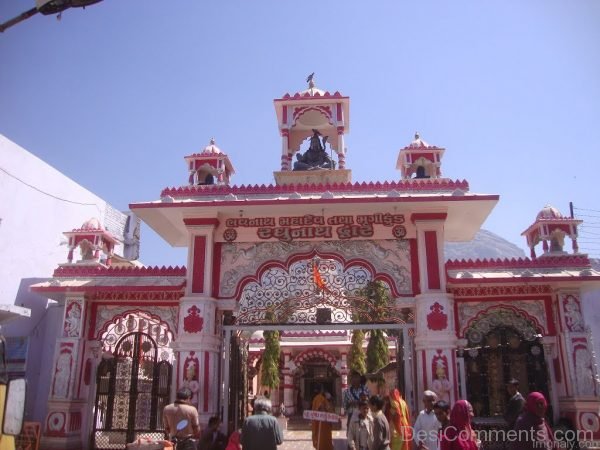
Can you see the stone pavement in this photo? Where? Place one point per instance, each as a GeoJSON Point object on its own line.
{"type": "Point", "coordinates": [302, 440]}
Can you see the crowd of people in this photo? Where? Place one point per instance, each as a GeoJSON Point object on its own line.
{"type": "Point", "coordinates": [373, 422]}
{"type": "Point", "coordinates": [384, 423]}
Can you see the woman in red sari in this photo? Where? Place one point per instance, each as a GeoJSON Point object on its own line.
{"type": "Point", "coordinates": [533, 432]}
{"type": "Point", "coordinates": [398, 415]}
{"type": "Point", "coordinates": [459, 435]}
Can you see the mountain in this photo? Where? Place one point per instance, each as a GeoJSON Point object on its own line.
{"type": "Point", "coordinates": [486, 245]}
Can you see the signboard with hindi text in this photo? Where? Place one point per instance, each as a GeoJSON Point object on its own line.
{"type": "Point", "coordinates": [321, 416]}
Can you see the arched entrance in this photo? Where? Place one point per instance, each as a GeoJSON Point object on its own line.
{"type": "Point", "coordinates": [315, 370]}
{"type": "Point", "coordinates": [502, 344]}
{"type": "Point", "coordinates": [133, 381]}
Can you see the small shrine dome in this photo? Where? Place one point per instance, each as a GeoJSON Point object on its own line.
{"type": "Point", "coordinates": [549, 212]}
{"type": "Point", "coordinates": [211, 149]}
{"type": "Point", "coordinates": [420, 160]}
{"type": "Point", "coordinates": [92, 224]}
{"type": "Point", "coordinates": [312, 91]}
{"type": "Point", "coordinates": [419, 143]}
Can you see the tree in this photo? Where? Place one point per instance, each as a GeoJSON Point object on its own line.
{"type": "Point", "coordinates": [377, 349]}
{"type": "Point", "coordinates": [356, 356]}
{"type": "Point", "coordinates": [269, 371]}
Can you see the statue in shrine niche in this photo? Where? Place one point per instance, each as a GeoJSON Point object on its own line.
{"type": "Point", "coordinates": [557, 241]}
{"type": "Point", "coordinates": [585, 377]}
{"type": "Point", "coordinates": [441, 385]}
{"type": "Point", "coordinates": [87, 250]}
{"type": "Point", "coordinates": [73, 320]}
{"type": "Point", "coordinates": [573, 315]}
{"type": "Point", "coordinates": [315, 157]}
{"type": "Point", "coordinates": [62, 375]}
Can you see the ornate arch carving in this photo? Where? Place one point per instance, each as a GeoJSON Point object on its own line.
{"type": "Point", "coordinates": [134, 320]}
{"type": "Point", "coordinates": [503, 315]}
{"type": "Point", "coordinates": [294, 294]}
{"type": "Point", "coordinates": [315, 353]}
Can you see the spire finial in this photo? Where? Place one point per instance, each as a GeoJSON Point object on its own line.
{"type": "Point", "coordinates": [212, 141]}
{"type": "Point", "coordinates": [417, 135]}
{"type": "Point", "coordinates": [309, 80]}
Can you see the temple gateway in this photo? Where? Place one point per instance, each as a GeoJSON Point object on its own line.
{"type": "Point", "coordinates": [296, 257]}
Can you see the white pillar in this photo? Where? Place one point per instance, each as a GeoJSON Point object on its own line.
{"type": "Point", "coordinates": [285, 150]}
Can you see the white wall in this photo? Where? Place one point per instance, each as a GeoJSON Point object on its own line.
{"type": "Point", "coordinates": [31, 247]}
{"type": "Point", "coordinates": [590, 299]}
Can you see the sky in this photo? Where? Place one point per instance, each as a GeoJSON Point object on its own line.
{"type": "Point", "coordinates": [115, 95]}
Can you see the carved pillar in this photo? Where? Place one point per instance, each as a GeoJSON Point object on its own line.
{"type": "Point", "coordinates": [435, 346]}
{"type": "Point", "coordinates": [430, 249]}
{"type": "Point", "coordinates": [199, 344]}
{"type": "Point", "coordinates": [341, 150]}
{"type": "Point", "coordinates": [435, 339]}
{"type": "Point", "coordinates": [581, 403]}
{"type": "Point", "coordinates": [462, 375]}
{"type": "Point", "coordinates": [550, 353]}
{"type": "Point", "coordinates": [66, 407]}
{"type": "Point", "coordinates": [285, 150]}
{"type": "Point", "coordinates": [288, 384]}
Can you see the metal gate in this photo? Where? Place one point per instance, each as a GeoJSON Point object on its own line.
{"type": "Point", "coordinates": [503, 353]}
{"type": "Point", "coordinates": [132, 388]}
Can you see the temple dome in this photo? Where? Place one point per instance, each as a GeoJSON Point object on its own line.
{"type": "Point", "coordinates": [418, 142]}
{"type": "Point", "coordinates": [549, 212]}
{"type": "Point", "coordinates": [92, 224]}
{"type": "Point", "coordinates": [212, 149]}
{"type": "Point", "coordinates": [312, 91]}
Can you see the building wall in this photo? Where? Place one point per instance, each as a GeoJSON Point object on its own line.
{"type": "Point", "coordinates": [590, 299]}
{"type": "Point", "coordinates": [32, 220]}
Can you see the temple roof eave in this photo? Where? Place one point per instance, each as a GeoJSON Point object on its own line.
{"type": "Point", "coordinates": [58, 288]}
{"type": "Point", "coordinates": [552, 221]}
{"type": "Point", "coordinates": [520, 276]}
{"type": "Point", "coordinates": [465, 212]}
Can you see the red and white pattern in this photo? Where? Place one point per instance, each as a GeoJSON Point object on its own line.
{"type": "Point", "coordinates": [193, 322]}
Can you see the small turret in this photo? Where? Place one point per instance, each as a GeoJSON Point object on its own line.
{"type": "Point", "coordinates": [420, 160]}
{"type": "Point", "coordinates": [94, 242]}
{"type": "Point", "coordinates": [210, 166]}
{"type": "Point", "coordinates": [551, 228]}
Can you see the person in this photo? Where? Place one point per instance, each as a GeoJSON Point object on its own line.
{"type": "Point", "coordinates": [212, 438]}
{"type": "Point", "coordinates": [352, 395]}
{"type": "Point", "coordinates": [322, 437]}
{"type": "Point", "coordinates": [355, 413]}
{"type": "Point", "coordinates": [426, 425]}
{"type": "Point", "coordinates": [360, 434]}
{"type": "Point", "coordinates": [182, 409]}
{"type": "Point", "coordinates": [315, 157]}
{"type": "Point", "coordinates": [531, 427]}
{"type": "Point", "coordinates": [515, 403]}
{"type": "Point", "coordinates": [459, 434]}
{"type": "Point", "coordinates": [398, 417]}
{"type": "Point", "coordinates": [441, 385]}
{"type": "Point", "coordinates": [381, 427]}
{"type": "Point", "coordinates": [261, 431]}
{"type": "Point", "coordinates": [441, 409]}
{"type": "Point", "coordinates": [234, 441]}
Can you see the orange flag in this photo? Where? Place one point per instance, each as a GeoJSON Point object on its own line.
{"type": "Point", "coordinates": [318, 279]}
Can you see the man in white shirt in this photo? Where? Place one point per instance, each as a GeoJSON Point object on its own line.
{"type": "Point", "coordinates": [360, 433]}
{"type": "Point", "coordinates": [426, 426]}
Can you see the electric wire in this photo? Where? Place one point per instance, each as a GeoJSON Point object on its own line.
{"type": "Point", "coordinates": [47, 193]}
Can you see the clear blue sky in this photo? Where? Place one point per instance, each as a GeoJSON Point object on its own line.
{"type": "Point", "coordinates": [115, 95]}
